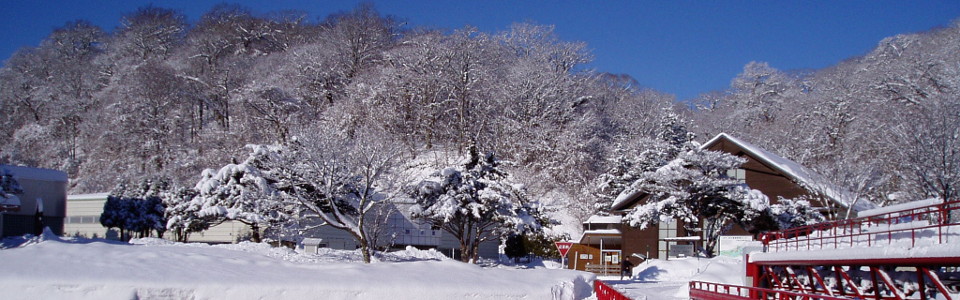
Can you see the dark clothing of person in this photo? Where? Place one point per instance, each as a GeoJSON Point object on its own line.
{"type": "Point", "coordinates": [626, 268]}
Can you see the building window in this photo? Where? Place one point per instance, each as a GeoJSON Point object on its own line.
{"type": "Point", "coordinates": [738, 174]}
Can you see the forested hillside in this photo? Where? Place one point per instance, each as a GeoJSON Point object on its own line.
{"type": "Point", "coordinates": [158, 97]}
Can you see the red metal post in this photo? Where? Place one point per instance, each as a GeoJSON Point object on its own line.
{"type": "Point", "coordinates": [605, 292]}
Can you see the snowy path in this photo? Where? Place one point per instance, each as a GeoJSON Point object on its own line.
{"type": "Point", "coordinates": [668, 280]}
{"type": "Point", "coordinates": [641, 290]}
{"type": "Point", "coordinates": [56, 269]}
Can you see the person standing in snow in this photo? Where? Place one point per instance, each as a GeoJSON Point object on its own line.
{"type": "Point", "coordinates": [626, 268]}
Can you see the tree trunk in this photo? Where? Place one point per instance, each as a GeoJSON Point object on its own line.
{"type": "Point", "coordinates": [464, 250]}
{"type": "Point", "coordinates": [362, 237]}
{"type": "Point", "coordinates": [475, 255]}
{"type": "Point", "coordinates": [255, 233]}
{"type": "Point", "coordinates": [365, 250]}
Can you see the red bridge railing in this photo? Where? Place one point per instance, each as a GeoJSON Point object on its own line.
{"type": "Point", "coordinates": [929, 225]}
{"type": "Point", "coordinates": [700, 290]}
{"type": "Point", "coordinates": [605, 292]}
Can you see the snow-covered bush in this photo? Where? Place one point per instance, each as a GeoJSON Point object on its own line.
{"type": "Point", "coordinates": [8, 186]}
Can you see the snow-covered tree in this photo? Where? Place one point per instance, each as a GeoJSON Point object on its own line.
{"type": "Point", "coordinates": [133, 215]}
{"type": "Point", "coordinates": [475, 202]}
{"type": "Point", "coordinates": [791, 213]}
{"type": "Point", "coordinates": [245, 192]}
{"type": "Point", "coordinates": [8, 186]}
{"type": "Point", "coordinates": [694, 188]}
{"type": "Point", "coordinates": [344, 183]}
{"type": "Point", "coordinates": [136, 208]}
{"type": "Point", "coordinates": [932, 142]}
{"type": "Point", "coordinates": [182, 213]}
{"type": "Point", "coordinates": [631, 160]}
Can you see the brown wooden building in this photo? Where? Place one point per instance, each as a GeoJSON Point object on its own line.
{"type": "Point", "coordinates": [767, 172]}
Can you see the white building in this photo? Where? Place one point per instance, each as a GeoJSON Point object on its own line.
{"type": "Point", "coordinates": [83, 219]}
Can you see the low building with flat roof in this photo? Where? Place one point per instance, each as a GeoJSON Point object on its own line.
{"type": "Point", "coordinates": [40, 203]}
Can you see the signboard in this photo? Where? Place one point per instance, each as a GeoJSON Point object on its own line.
{"type": "Point", "coordinates": [563, 247]}
{"type": "Point", "coordinates": [735, 245]}
{"type": "Point", "coordinates": [681, 250]}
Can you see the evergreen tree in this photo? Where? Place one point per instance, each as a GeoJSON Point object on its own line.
{"type": "Point", "coordinates": [629, 163]}
{"type": "Point", "coordinates": [694, 188]}
{"type": "Point", "coordinates": [113, 215]}
{"type": "Point", "coordinates": [8, 186]}
{"type": "Point", "coordinates": [475, 202]}
{"type": "Point", "coordinates": [515, 247]}
{"type": "Point", "coordinates": [182, 213]}
{"type": "Point", "coordinates": [244, 192]}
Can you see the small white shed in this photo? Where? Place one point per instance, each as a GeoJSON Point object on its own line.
{"type": "Point", "coordinates": [312, 245]}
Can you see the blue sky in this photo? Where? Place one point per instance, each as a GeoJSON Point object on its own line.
{"type": "Point", "coordinates": [679, 47]}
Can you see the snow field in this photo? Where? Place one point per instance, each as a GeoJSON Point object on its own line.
{"type": "Point", "coordinates": [51, 268]}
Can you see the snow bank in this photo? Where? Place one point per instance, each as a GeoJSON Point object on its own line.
{"type": "Point", "coordinates": [862, 253]}
{"type": "Point", "coordinates": [899, 207]}
{"type": "Point", "coordinates": [668, 279]}
{"type": "Point", "coordinates": [155, 269]}
{"type": "Point", "coordinates": [721, 269]}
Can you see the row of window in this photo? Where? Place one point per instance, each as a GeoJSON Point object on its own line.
{"type": "Point", "coordinates": [82, 220]}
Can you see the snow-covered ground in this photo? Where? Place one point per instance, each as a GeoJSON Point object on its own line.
{"type": "Point", "coordinates": [49, 267]}
{"type": "Point", "coordinates": [669, 279]}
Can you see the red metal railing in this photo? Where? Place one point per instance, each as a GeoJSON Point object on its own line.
{"type": "Point", "coordinates": [700, 290]}
{"type": "Point", "coordinates": [929, 225]}
{"type": "Point", "coordinates": [605, 292]}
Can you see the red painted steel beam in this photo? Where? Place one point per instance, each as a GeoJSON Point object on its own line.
{"type": "Point", "coordinates": [888, 283]}
{"type": "Point", "coordinates": [846, 277]}
{"type": "Point", "coordinates": [936, 282]}
{"type": "Point", "coordinates": [819, 280]}
{"type": "Point", "coordinates": [796, 280]}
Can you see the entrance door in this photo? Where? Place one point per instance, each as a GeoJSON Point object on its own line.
{"type": "Point", "coordinates": [610, 259]}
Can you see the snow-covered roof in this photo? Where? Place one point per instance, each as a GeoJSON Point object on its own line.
{"type": "Point", "coordinates": [312, 241]}
{"type": "Point", "coordinates": [599, 234]}
{"type": "Point", "coordinates": [94, 196]}
{"type": "Point", "coordinates": [682, 239]}
{"type": "Point", "coordinates": [595, 219]}
{"type": "Point", "coordinates": [799, 174]}
{"type": "Point", "coordinates": [602, 231]}
{"type": "Point", "coordinates": [36, 173]}
{"type": "Point", "coordinates": [899, 207]}
{"type": "Point", "coordinates": [622, 199]}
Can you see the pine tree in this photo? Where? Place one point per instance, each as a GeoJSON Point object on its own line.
{"type": "Point", "coordinates": [245, 193]}
{"type": "Point", "coordinates": [515, 247]}
{"type": "Point", "coordinates": [694, 188]}
{"type": "Point", "coordinates": [475, 202]}
{"type": "Point", "coordinates": [182, 213]}
{"type": "Point", "coordinates": [629, 163]}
